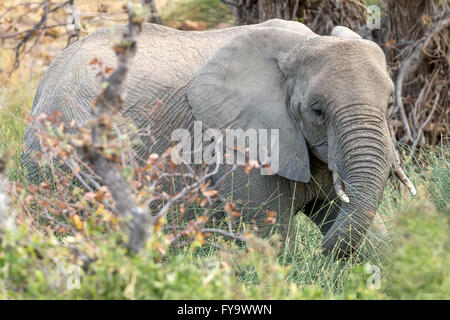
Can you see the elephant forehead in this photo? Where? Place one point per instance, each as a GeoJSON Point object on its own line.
{"type": "Point", "coordinates": [323, 51]}
{"type": "Point", "coordinates": [349, 77]}
{"type": "Point", "coordinates": [349, 87]}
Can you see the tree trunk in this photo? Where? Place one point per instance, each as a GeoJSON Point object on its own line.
{"type": "Point", "coordinates": [320, 16]}
{"type": "Point", "coordinates": [256, 11]}
{"type": "Point", "coordinates": [154, 16]}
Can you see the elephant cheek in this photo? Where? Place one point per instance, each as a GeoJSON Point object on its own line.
{"type": "Point", "coordinates": [321, 152]}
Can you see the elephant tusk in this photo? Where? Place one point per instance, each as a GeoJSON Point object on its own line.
{"type": "Point", "coordinates": [405, 180]}
{"type": "Point", "coordinates": [339, 188]}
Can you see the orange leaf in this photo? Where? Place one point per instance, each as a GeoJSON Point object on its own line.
{"type": "Point", "coordinates": [270, 217]}
{"type": "Point", "coordinates": [158, 224]}
{"type": "Point", "coordinates": [100, 194]}
{"type": "Point", "coordinates": [44, 185]}
{"type": "Point", "coordinates": [93, 61]}
{"type": "Point", "coordinates": [235, 214]}
{"type": "Point", "coordinates": [202, 219]}
{"type": "Point", "coordinates": [229, 206]}
{"type": "Point", "coordinates": [77, 222]}
{"type": "Point", "coordinates": [109, 70]}
{"type": "Point", "coordinates": [210, 193]}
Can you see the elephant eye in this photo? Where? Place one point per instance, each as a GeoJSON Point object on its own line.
{"type": "Point", "coordinates": [391, 102]}
{"type": "Point", "coordinates": [317, 112]}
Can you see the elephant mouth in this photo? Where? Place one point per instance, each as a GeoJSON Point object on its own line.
{"type": "Point", "coordinates": [319, 150]}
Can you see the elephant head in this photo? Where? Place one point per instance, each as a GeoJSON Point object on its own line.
{"type": "Point", "coordinates": [329, 96]}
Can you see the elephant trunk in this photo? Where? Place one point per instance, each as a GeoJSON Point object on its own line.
{"type": "Point", "coordinates": [362, 158]}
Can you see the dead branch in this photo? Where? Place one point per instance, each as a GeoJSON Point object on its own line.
{"type": "Point", "coordinates": [231, 234]}
{"type": "Point", "coordinates": [74, 35]}
{"type": "Point", "coordinates": [424, 124]}
{"type": "Point", "coordinates": [108, 104]}
{"type": "Point", "coordinates": [411, 65]}
{"type": "Point", "coordinates": [38, 29]}
{"type": "Point", "coordinates": [154, 16]}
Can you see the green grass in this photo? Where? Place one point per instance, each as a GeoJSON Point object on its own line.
{"type": "Point", "coordinates": [15, 103]}
{"type": "Point", "coordinates": [34, 265]}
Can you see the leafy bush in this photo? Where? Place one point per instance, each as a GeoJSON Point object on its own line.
{"type": "Point", "coordinates": [416, 265]}
{"type": "Point", "coordinates": [35, 263]}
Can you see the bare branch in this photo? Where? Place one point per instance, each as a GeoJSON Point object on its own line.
{"type": "Point", "coordinates": [108, 104]}
{"type": "Point", "coordinates": [38, 28]}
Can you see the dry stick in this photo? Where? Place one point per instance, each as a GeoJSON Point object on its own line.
{"type": "Point", "coordinates": [224, 233]}
{"type": "Point", "coordinates": [414, 60]}
{"type": "Point", "coordinates": [171, 200]}
{"type": "Point", "coordinates": [411, 64]}
{"type": "Point", "coordinates": [424, 92]}
{"type": "Point", "coordinates": [107, 104]}
{"type": "Point", "coordinates": [40, 25]}
{"type": "Point", "coordinates": [76, 34]}
{"type": "Point", "coordinates": [424, 124]}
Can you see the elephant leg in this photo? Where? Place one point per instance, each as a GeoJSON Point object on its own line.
{"type": "Point", "coordinates": [323, 213]}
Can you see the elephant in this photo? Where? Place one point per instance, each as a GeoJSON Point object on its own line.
{"type": "Point", "coordinates": [329, 97]}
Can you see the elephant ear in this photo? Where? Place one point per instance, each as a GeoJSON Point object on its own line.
{"type": "Point", "coordinates": [243, 87]}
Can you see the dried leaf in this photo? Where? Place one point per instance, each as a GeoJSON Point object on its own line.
{"type": "Point", "coordinates": [229, 207]}
{"type": "Point", "coordinates": [76, 220]}
{"type": "Point", "coordinates": [210, 193]}
{"type": "Point", "coordinates": [93, 61]}
{"type": "Point", "coordinates": [235, 214]}
{"type": "Point", "coordinates": [271, 217]}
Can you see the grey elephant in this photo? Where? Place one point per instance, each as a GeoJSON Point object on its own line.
{"type": "Point", "coordinates": [328, 96]}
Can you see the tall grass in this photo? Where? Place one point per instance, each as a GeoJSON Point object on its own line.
{"type": "Point", "coordinates": [413, 262]}
{"type": "Point", "coordinates": [15, 103]}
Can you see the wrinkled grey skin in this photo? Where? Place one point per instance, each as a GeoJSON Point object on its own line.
{"type": "Point", "coordinates": [328, 96]}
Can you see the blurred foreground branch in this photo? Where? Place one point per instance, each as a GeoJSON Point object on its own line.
{"type": "Point", "coordinates": [320, 16]}
{"type": "Point", "coordinates": [108, 167]}
{"type": "Point", "coordinates": [154, 16]}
